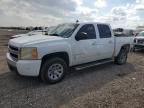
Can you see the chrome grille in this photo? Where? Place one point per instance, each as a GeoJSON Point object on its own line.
{"type": "Point", "coordinates": [13, 52]}
{"type": "Point", "coordinates": [140, 41]}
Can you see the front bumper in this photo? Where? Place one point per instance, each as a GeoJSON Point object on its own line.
{"type": "Point", "coordinates": [24, 67]}
{"type": "Point", "coordinates": [139, 46]}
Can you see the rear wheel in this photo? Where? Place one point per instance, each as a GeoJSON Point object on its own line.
{"type": "Point", "coordinates": [122, 57]}
{"type": "Point", "coordinates": [134, 49]}
{"type": "Point", "coordinates": [53, 70]}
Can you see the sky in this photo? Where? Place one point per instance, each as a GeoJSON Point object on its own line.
{"type": "Point", "coordinates": [119, 13]}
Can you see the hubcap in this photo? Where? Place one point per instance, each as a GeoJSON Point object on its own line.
{"type": "Point", "coordinates": [55, 71]}
{"type": "Point", "coordinates": [123, 57]}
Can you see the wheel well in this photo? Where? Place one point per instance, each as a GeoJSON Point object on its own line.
{"type": "Point", "coordinates": [62, 55]}
{"type": "Point", "coordinates": [126, 46]}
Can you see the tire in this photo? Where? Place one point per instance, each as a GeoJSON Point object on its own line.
{"type": "Point", "coordinates": [53, 70]}
{"type": "Point", "coordinates": [134, 49]}
{"type": "Point", "coordinates": [122, 57]}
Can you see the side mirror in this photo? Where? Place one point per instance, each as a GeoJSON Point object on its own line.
{"type": "Point", "coordinates": [81, 36]}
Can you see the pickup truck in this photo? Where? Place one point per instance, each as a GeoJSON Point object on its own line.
{"type": "Point", "coordinates": [139, 41]}
{"type": "Point", "coordinates": [76, 45]}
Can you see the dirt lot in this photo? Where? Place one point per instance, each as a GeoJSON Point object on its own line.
{"type": "Point", "coordinates": [4, 37]}
{"type": "Point", "coordinates": [105, 86]}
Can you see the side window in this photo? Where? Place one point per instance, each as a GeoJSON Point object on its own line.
{"type": "Point", "coordinates": [104, 31]}
{"type": "Point", "coordinates": [89, 29]}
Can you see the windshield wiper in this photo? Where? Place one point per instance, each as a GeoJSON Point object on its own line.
{"type": "Point", "coordinates": [54, 34]}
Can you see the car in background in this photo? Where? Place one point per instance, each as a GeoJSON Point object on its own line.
{"type": "Point", "coordinates": [139, 41]}
{"type": "Point", "coordinates": [124, 32]}
{"type": "Point", "coordinates": [50, 29]}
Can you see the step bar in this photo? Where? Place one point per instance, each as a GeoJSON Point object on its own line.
{"type": "Point", "coordinates": [81, 67]}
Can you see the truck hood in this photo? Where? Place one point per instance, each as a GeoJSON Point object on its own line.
{"type": "Point", "coordinates": [27, 34]}
{"type": "Point", "coordinates": [19, 35]}
{"type": "Point", "coordinates": [27, 40]}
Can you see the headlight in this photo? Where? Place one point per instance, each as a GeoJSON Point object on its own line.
{"type": "Point", "coordinates": [28, 53]}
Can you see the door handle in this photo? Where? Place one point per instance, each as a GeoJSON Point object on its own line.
{"type": "Point", "coordinates": [94, 43]}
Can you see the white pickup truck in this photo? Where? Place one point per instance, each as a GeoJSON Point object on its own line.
{"type": "Point", "coordinates": [77, 45]}
{"type": "Point", "coordinates": [139, 41]}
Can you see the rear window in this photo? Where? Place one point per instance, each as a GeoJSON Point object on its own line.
{"type": "Point", "coordinates": [104, 31]}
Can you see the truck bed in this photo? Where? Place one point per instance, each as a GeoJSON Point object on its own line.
{"type": "Point", "coordinates": [123, 40]}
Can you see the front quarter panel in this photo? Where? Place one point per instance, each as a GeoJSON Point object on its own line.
{"type": "Point", "coordinates": [53, 47]}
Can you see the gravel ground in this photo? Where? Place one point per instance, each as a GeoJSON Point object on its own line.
{"type": "Point", "coordinates": [125, 92]}
{"type": "Point", "coordinates": [23, 92]}
{"type": "Point", "coordinates": [26, 92]}
{"type": "Point", "coordinates": [105, 86]}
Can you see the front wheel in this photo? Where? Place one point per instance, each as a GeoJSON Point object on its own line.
{"type": "Point", "coordinates": [53, 70]}
{"type": "Point", "coordinates": [122, 57]}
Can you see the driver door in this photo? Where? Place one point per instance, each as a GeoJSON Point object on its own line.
{"type": "Point", "coordinates": [85, 49]}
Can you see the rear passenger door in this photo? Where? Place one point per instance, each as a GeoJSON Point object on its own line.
{"type": "Point", "coordinates": [106, 41]}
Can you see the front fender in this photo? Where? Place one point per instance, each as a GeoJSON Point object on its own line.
{"type": "Point", "coordinates": [50, 48]}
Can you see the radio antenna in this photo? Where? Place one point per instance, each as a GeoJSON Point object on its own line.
{"type": "Point", "coordinates": [77, 21]}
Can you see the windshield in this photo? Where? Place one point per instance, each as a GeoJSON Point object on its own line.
{"type": "Point", "coordinates": [63, 30]}
{"type": "Point", "coordinates": [141, 34]}
{"type": "Point", "coordinates": [50, 29]}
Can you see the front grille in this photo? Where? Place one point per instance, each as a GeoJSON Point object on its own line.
{"type": "Point", "coordinates": [140, 41]}
{"type": "Point", "coordinates": [13, 52]}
